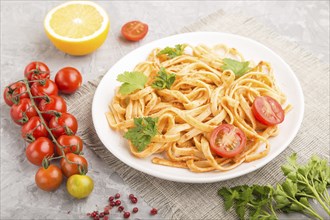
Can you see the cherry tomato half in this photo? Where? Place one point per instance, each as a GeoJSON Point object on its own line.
{"type": "Point", "coordinates": [39, 149]}
{"type": "Point", "coordinates": [54, 103]}
{"type": "Point", "coordinates": [22, 111]}
{"type": "Point", "coordinates": [36, 70]}
{"type": "Point", "coordinates": [49, 179]}
{"type": "Point", "coordinates": [134, 30]}
{"type": "Point", "coordinates": [68, 80]}
{"type": "Point", "coordinates": [44, 87]}
{"type": "Point", "coordinates": [267, 110]}
{"type": "Point", "coordinates": [71, 144]}
{"type": "Point", "coordinates": [70, 169]}
{"type": "Point", "coordinates": [227, 140]}
{"type": "Point", "coordinates": [65, 124]}
{"type": "Point", "coordinates": [14, 92]}
{"type": "Point", "coordinates": [33, 129]}
{"type": "Point", "coordinates": [79, 186]}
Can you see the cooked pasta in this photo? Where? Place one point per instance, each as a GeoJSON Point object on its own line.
{"type": "Point", "coordinates": [202, 97]}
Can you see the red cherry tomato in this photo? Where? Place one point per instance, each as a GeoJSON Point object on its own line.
{"type": "Point", "coordinates": [54, 103]}
{"type": "Point", "coordinates": [227, 140]}
{"type": "Point", "coordinates": [22, 111]}
{"type": "Point", "coordinates": [14, 92]}
{"type": "Point", "coordinates": [39, 149]}
{"type": "Point", "coordinates": [65, 124]}
{"type": "Point", "coordinates": [49, 179]}
{"type": "Point", "coordinates": [68, 80]}
{"type": "Point", "coordinates": [71, 144]}
{"type": "Point", "coordinates": [267, 110]}
{"type": "Point", "coordinates": [33, 129]}
{"type": "Point", "coordinates": [134, 30]}
{"type": "Point", "coordinates": [44, 87]}
{"type": "Point", "coordinates": [36, 70]}
{"type": "Point", "coordinates": [70, 169]}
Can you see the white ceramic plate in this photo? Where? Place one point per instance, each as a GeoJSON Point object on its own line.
{"type": "Point", "coordinates": [251, 50]}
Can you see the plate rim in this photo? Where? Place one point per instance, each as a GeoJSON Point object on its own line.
{"type": "Point", "coordinates": [216, 178]}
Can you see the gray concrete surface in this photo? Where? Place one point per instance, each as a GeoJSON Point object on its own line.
{"type": "Point", "coordinates": [23, 40]}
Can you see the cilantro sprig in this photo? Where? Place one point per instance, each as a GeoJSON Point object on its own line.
{"type": "Point", "coordinates": [163, 79]}
{"type": "Point", "coordinates": [140, 135]}
{"type": "Point", "coordinates": [132, 81]}
{"type": "Point", "coordinates": [239, 68]}
{"type": "Point", "coordinates": [172, 52]}
{"type": "Point", "coordinates": [303, 182]}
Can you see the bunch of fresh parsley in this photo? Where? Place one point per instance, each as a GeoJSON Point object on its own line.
{"type": "Point", "coordinates": [143, 131]}
{"type": "Point", "coordinates": [303, 182]}
{"type": "Point", "coordinates": [163, 79]}
{"type": "Point", "coordinates": [172, 52]}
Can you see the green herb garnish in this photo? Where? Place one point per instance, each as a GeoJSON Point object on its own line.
{"type": "Point", "coordinates": [163, 80]}
{"type": "Point", "coordinates": [131, 81]}
{"type": "Point", "coordinates": [256, 200]}
{"type": "Point", "coordinates": [239, 68]}
{"type": "Point", "coordinates": [172, 52]}
{"type": "Point", "coordinates": [303, 182]}
{"type": "Point", "coordinates": [140, 135]}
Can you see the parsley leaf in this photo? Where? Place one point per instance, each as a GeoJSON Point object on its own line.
{"type": "Point", "coordinates": [173, 52]}
{"type": "Point", "coordinates": [140, 135]}
{"type": "Point", "coordinates": [163, 80]}
{"type": "Point", "coordinates": [239, 68]}
{"type": "Point", "coordinates": [131, 81]}
{"type": "Point", "coordinates": [254, 201]}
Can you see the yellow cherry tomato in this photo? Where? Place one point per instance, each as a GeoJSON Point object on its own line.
{"type": "Point", "coordinates": [80, 186]}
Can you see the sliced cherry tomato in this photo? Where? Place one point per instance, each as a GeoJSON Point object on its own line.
{"type": "Point", "coordinates": [134, 30]}
{"type": "Point", "coordinates": [79, 186]}
{"type": "Point", "coordinates": [227, 140]}
{"type": "Point", "coordinates": [52, 104]}
{"type": "Point", "coordinates": [49, 179]}
{"type": "Point", "coordinates": [22, 111]}
{"type": "Point", "coordinates": [33, 129]}
{"type": "Point", "coordinates": [44, 87]}
{"type": "Point", "coordinates": [71, 144]}
{"type": "Point", "coordinates": [39, 149]}
{"type": "Point", "coordinates": [70, 169]}
{"type": "Point", "coordinates": [14, 92]}
{"type": "Point", "coordinates": [68, 80]}
{"type": "Point", "coordinates": [36, 70]}
{"type": "Point", "coordinates": [64, 124]}
{"type": "Point", "coordinates": [267, 110]}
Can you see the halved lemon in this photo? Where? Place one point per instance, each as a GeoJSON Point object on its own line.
{"type": "Point", "coordinates": [77, 27]}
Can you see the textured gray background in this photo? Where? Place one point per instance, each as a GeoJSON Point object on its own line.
{"type": "Point", "coordinates": [23, 40]}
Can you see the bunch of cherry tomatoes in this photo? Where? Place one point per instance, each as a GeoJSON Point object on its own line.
{"type": "Point", "coordinates": [49, 129]}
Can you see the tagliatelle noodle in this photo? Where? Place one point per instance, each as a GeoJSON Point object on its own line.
{"type": "Point", "coordinates": [201, 98]}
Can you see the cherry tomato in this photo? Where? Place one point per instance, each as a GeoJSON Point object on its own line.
{"type": "Point", "coordinates": [267, 110]}
{"type": "Point", "coordinates": [70, 169]}
{"type": "Point", "coordinates": [44, 87]}
{"type": "Point", "coordinates": [65, 124]}
{"type": "Point", "coordinates": [134, 30]}
{"type": "Point", "coordinates": [79, 186]}
{"type": "Point", "coordinates": [68, 80]}
{"type": "Point", "coordinates": [71, 144]}
{"type": "Point", "coordinates": [39, 149]}
{"type": "Point", "coordinates": [54, 103]}
{"type": "Point", "coordinates": [22, 111]}
{"type": "Point", "coordinates": [36, 70]}
{"type": "Point", "coordinates": [49, 179]}
{"type": "Point", "coordinates": [14, 92]}
{"type": "Point", "coordinates": [33, 129]}
{"type": "Point", "coordinates": [227, 140]}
